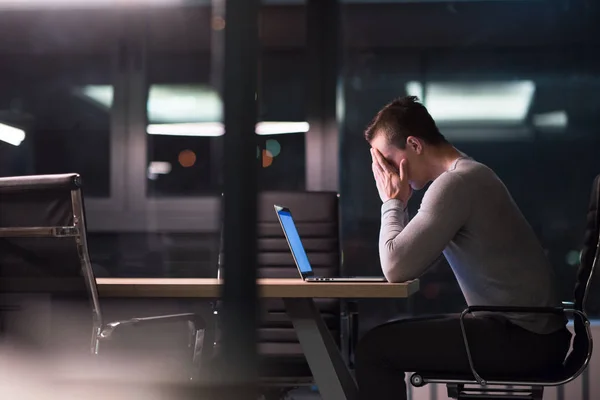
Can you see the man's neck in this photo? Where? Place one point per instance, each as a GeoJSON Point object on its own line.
{"type": "Point", "coordinates": [441, 159]}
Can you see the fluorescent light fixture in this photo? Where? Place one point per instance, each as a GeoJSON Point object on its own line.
{"type": "Point", "coordinates": [183, 104]}
{"type": "Point", "coordinates": [168, 103]}
{"type": "Point", "coordinates": [101, 95]}
{"type": "Point", "coordinates": [11, 135]}
{"type": "Point", "coordinates": [489, 133]}
{"type": "Point", "coordinates": [186, 110]}
{"type": "Point", "coordinates": [280, 128]}
{"type": "Point", "coordinates": [475, 102]}
{"type": "Point", "coordinates": [212, 129]}
{"type": "Point", "coordinates": [159, 167]}
{"type": "Point", "coordinates": [551, 120]}
{"type": "Point", "coordinates": [415, 89]}
{"type": "Point", "coordinates": [187, 129]}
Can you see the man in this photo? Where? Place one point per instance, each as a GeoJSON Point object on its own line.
{"type": "Point", "coordinates": [468, 215]}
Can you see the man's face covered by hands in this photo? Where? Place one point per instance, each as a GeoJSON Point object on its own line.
{"type": "Point", "coordinates": [391, 173]}
{"type": "Point", "coordinates": [413, 153]}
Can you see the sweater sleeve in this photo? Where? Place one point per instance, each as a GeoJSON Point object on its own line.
{"type": "Point", "coordinates": [407, 249]}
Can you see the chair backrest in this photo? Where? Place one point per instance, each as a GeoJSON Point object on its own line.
{"type": "Point", "coordinates": [317, 218]}
{"type": "Point", "coordinates": [589, 260]}
{"type": "Point", "coordinates": [43, 247]}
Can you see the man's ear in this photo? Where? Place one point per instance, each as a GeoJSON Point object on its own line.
{"type": "Point", "coordinates": [415, 144]}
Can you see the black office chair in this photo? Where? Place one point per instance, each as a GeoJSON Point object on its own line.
{"type": "Point", "coordinates": [532, 387]}
{"type": "Point", "coordinates": [282, 365]}
{"type": "Point", "coordinates": [43, 251]}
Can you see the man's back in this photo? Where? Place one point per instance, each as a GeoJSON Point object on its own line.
{"type": "Point", "coordinates": [496, 256]}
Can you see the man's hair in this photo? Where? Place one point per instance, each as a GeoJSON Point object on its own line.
{"type": "Point", "coordinates": [402, 118]}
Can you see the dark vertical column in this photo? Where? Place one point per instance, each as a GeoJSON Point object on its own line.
{"type": "Point", "coordinates": [323, 50]}
{"type": "Point", "coordinates": [217, 69]}
{"type": "Point", "coordinates": [239, 314]}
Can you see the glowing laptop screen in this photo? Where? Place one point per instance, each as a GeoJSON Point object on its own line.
{"type": "Point", "coordinates": [289, 227]}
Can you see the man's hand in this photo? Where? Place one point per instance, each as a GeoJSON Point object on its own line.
{"type": "Point", "coordinates": [391, 183]}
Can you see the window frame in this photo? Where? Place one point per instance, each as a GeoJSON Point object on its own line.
{"type": "Point", "coordinates": [133, 210]}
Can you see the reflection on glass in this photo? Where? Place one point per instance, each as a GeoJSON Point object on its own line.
{"type": "Point", "coordinates": [267, 158]}
{"type": "Point", "coordinates": [217, 128]}
{"type": "Point", "coordinates": [522, 101]}
{"type": "Point", "coordinates": [184, 122]}
{"type": "Point", "coordinates": [183, 103]}
{"type": "Point", "coordinates": [11, 135]}
{"type": "Point", "coordinates": [468, 102]}
{"type": "Point", "coordinates": [185, 112]}
{"type": "Point", "coordinates": [554, 120]}
{"type": "Point", "coordinates": [53, 121]}
{"type": "Point", "coordinates": [486, 110]}
{"type": "Point", "coordinates": [177, 103]}
{"type": "Point", "coordinates": [282, 161]}
{"type": "Point", "coordinates": [101, 95]}
{"type": "Point", "coordinates": [273, 147]}
{"type": "Point", "coordinates": [158, 168]}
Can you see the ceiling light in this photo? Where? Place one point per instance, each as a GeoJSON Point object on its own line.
{"type": "Point", "coordinates": [212, 129]}
{"type": "Point", "coordinates": [101, 95]}
{"type": "Point", "coordinates": [552, 120]}
{"type": "Point", "coordinates": [168, 103]}
{"type": "Point", "coordinates": [475, 102]}
{"type": "Point", "coordinates": [280, 128]}
{"type": "Point", "coordinates": [187, 129]}
{"type": "Point", "coordinates": [488, 133]}
{"type": "Point", "coordinates": [186, 110]}
{"type": "Point", "coordinates": [184, 103]}
{"type": "Point", "coordinates": [11, 135]}
{"type": "Point", "coordinates": [159, 167]}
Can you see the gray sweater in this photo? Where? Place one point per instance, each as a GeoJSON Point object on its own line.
{"type": "Point", "coordinates": [468, 215]}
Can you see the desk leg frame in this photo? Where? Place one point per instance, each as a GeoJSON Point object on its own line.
{"type": "Point", "coordinates": [328, 368]}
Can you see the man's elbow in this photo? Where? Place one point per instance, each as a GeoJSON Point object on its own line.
{"type": "Point", "coordinates": [398, 265]}
{"type": "Point", "coordinates": [399, 272]}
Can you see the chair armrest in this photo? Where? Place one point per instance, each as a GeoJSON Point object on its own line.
{"type": "Point", "coordinates": [108, 330]}
{"type": "Point", "coordinates": [541, 310]}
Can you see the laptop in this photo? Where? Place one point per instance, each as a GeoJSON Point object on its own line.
{"type": "Point", "coordinates": [286, 220]}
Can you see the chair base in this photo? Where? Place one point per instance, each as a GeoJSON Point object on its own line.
{"type": "Point", "coordinates": [459, 392]}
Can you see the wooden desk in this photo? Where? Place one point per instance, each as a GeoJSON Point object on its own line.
{"type": "Point", "coordinates": [331, 374]}
{"type": "Point", "coordinates": [268, 288]}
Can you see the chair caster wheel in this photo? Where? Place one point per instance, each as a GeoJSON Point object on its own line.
{"type": "Point", "coordinates": [416, 380]}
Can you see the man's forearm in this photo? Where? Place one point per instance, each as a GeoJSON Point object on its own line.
{"type": "Point", "coordinates": [407, 249]}
{"type": "Point", "coordinates": [394, 218]}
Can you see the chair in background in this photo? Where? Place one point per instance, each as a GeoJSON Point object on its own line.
{"type": "Point", "coordinates": [44, 252]}
{"type": "Point", "coordinates": [282, 363]}
{"type": "Point", "coordinates": [532, 387]}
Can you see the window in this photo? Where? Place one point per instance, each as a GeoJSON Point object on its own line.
{"type": "Point", "coordinates": [184, 113]}
{"type": "Point", "coordinates": [184, 140]}
{"type": "Point", "coordinates": [55, 117]}
{"type": "Point", "coordinates": [521, 100]}
{"type": "Point", "coordinates": [282, 106]}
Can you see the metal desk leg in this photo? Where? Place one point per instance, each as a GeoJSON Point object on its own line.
{"type": "Point", "coordinates": [326, 363]}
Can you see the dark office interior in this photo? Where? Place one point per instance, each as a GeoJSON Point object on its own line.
{"type": "Point", "coordinates": [132, 96]}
